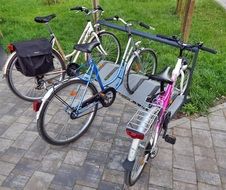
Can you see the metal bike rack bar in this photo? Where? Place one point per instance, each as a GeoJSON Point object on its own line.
{"type": "Point", "coordinates": [147, 88]}
{"type": "Point", "coordinates": [143, 34]}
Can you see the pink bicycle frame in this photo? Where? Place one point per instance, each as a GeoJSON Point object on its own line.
{"type": "Point", "coordinates": [163, 100]}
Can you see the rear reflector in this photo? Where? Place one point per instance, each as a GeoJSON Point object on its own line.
{"type": "Point", "coordinates": [36, 105]}
{"type": "Point", "coordinates": [135, 134]}
{"type": "Point", "coordinates": [11, 48]}
{"type": "Point", "coordinates": [73, 93]}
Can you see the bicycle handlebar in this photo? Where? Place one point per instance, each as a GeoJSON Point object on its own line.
{"type": "Point", "coordinates": [86, 10]}
{"type": "Point", "coordinates": [117, 18]}
{"type": "Point", "coordinates": [187, 46]}
{"type": "Point", "coordinates": [80, 8]}
{"type": "Point", "coordinates": [213, 51]}
{"type": "Point", "coordinates": [146, 26]}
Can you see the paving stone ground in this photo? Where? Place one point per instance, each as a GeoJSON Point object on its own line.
{"type": "Point", "coordinates": [196, 162]}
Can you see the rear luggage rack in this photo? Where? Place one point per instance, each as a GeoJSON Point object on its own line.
{"type": "Point", "coordinates": [142, 121]}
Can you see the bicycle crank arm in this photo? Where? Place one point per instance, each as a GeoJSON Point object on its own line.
{"type": "Point", "coordinates": [105, 97]}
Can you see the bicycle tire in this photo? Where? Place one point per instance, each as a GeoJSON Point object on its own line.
{"type": "Point", "coordinates": [128, 174]}
{"type": "Point", "coordinates": [144, 152]}
{"type": "Point", "coordinates": [31, 92]}
{"type": "Point", "coordinates": [58, 117]}
{"type": "Point", "coordinates": [113, 51]}
{"type": "Point", "coordinates": [140, 66]}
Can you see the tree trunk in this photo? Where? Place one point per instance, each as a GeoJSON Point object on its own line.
{"type": "Point", "coordinates": [187, 21]}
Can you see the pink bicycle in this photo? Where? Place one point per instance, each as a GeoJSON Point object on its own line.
{"type": "Point", "coordinates": [148, 124]}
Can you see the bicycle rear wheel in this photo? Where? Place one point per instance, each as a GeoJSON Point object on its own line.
{"type": "Point", "coordinates": [111, 46]}
{"type": "Point", "coordinates": [55, 124]}
{"type": "Point", "coordinates": [32, 88]}
{"type": "Point", "coordinates": [145, 149]}
{"type": "Point", "coordinates": [140, 68]}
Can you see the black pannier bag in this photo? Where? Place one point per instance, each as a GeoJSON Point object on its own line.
{"type": "Point", "coordinates": [34, 57]}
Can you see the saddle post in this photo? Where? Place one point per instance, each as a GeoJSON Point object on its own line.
{"type": "Point", "coordinates": [88, 57]}
{"type": "Point", "coordinates": [49, 28]}
{"type": "Point", "coordinates": [162, 86]}
{"type": "Point", "coordinates": [56, 41]}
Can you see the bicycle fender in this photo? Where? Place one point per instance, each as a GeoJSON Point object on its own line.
{"type": "Point", "coordinates": [7, 63]}
{"type": "Point", "coordinates": [128, 165]}
{"type": "Point", "coordinates": [45, 97]}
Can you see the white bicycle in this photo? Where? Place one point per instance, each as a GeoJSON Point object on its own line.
{"type": "Point", "coordinates": [32, 88]}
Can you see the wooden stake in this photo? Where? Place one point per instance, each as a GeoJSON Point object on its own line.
{"type": "Point", "coordinates": [95, 5]}
{"type": "Point", "coordinates": [187, 21]}
{"type": "Point", "coordinates": [180, 7]}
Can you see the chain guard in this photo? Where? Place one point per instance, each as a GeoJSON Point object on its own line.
{"type": "Point", "coordinates": [105, 97]}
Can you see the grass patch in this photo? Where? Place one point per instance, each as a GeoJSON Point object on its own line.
{"type": "Point", "coordinates": [209, 81]}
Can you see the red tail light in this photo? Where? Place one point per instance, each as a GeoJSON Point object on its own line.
{"type": "Point", "coordinates": [134, 134]}
{"type": "Point", "coordinates": [36, 105]}
{"type": "Point", "coordinates": [11, 48]}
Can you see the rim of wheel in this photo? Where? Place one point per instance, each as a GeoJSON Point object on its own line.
{"type": "Point", "coordinates": [31, 88]}
{"type": "Point", "coordinates": [68, 122]}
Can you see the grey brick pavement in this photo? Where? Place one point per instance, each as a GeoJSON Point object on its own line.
{"type": "Point", "coordinates": [196, 161]}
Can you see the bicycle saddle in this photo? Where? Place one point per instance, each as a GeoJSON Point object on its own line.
{"type": "Point", "coordinates": [44, 19]}
{"type": "Point", "coordinates": [162, 76]}
{"type": "Point", "coordinates": [88, 47]}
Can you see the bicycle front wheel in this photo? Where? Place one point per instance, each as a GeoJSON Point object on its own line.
{"type": "Point", "coordinates": [32, 88]}
{"type": "Point", "coordinates": [141, 66]}
{"type": "Point", "coordinates": [56, 124]}
{"type": "Point", "coordinates": [110, 44]}
{"type": "Point", "coordinates": [182, 85]}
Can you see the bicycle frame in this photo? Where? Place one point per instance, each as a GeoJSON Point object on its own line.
{"type": "Point", "coordinates": [93, 69]}
{"type": "Point", "coordinates": [86, 36]}
{"type": "Point", "coordinates": [164, 99]}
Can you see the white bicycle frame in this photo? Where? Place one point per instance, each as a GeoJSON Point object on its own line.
{"type": "Point", "coordinates": [88, 35]}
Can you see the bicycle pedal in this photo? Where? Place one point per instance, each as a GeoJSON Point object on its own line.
{"type": "Point", "coordinates": [170, 139]}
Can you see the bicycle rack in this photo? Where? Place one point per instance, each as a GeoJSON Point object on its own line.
{"type": "Point", "coordinates": [147, 88]}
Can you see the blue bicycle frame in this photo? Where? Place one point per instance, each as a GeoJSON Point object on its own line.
{"type": "Point", "coordinates": [93, 69]}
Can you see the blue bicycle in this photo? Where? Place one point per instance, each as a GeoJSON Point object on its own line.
{"type": "Point", "coordinates": [68, 109]}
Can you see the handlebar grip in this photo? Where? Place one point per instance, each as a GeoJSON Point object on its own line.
{"type": "Point", "coordinates": [112, 18]}
{"type": "Point", "coordinates": [144, 25]}
{"type": "Point", "coordinates": [100, 8]}
{"type": "Point", "coordinates": [213, 51]}
{"type": "Point", "coordinates": [78, 8]}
